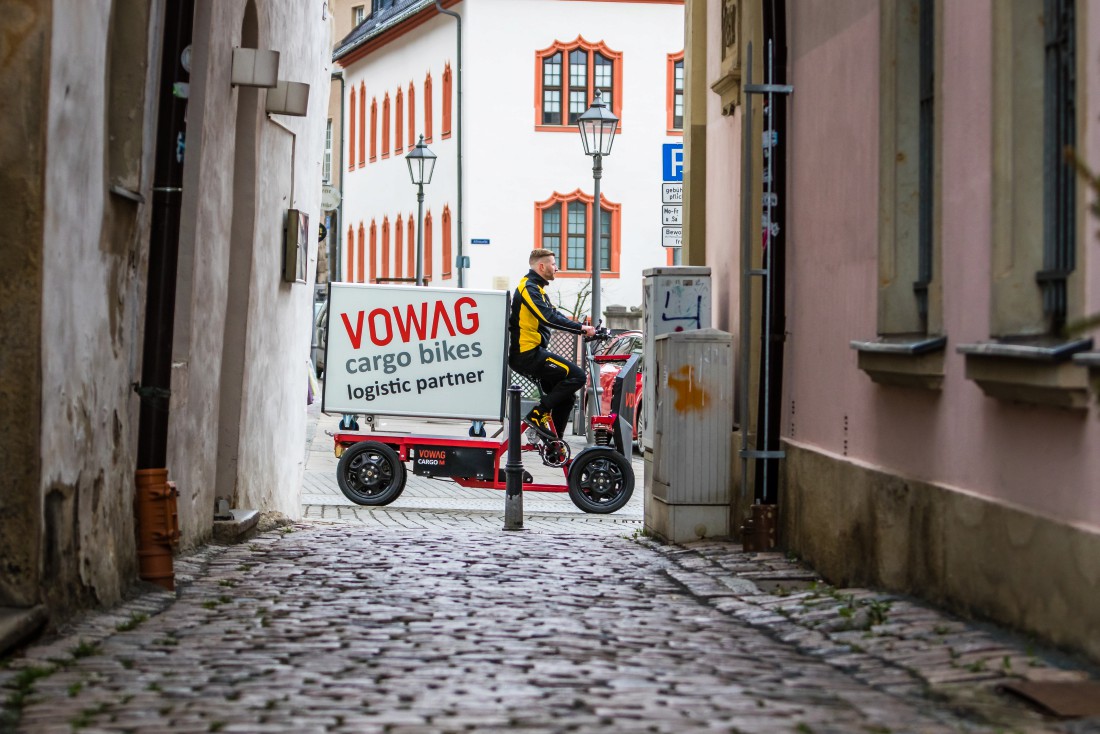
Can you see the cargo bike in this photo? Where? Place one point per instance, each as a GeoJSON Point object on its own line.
{"type": "Point", "coordinates": [437, 326]}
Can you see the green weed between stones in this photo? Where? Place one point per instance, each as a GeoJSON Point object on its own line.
{"type": "Point", "coordinates": [23, 685]}
{"type": "Point", "coordinates": [84, 649]}
{"type": "Point", "coordinates": [84, 718]}
{"type": "Point", "coordinates": [135, 619]}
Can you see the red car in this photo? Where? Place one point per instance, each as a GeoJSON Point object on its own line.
{"type": "Point", "coordinates": [610, 359]}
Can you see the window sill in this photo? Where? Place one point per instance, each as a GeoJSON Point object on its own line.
{"type": "Point", "coordinates": [908, 361]}
{"type": "Point", "coordinates": [567, 129]}
{"type": "Point", "coordinates": [1091, 361]}
{"type": "Point", "coordinates": [603, 274]}
{"type": "Point", "coordinates": [675, 132]}
{"type": "Point", "coordinates": [1036, 371]}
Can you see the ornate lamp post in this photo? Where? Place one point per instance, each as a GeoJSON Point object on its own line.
{"type": "Point", "coordinates": [421, 164]}
{"type": "Point", "coordinates": [597, 125]}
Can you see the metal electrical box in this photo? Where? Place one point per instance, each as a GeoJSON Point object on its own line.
{"type": "Point", "coordinates": [674, 299]}
{"type": "Point", "coordinates": [687, 493]}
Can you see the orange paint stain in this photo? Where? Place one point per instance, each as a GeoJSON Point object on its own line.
{"type": "Point", "coordinates": [690, 395]}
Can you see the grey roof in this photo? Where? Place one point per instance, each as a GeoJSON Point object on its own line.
{"type": "Point", "coordinates": [390, 14]}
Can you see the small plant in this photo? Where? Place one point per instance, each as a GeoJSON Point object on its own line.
{"type": "Point", "coordinates": [84, 718]}
{"type": "Point", "coordinates": [126, 663]}
{"type": "Point", "coordinates": [803, 728]}
{"type": "Point", "coordinates": [941, 629]}
{"type": "Point", "coordinates": [1006, 663]}
{"type": "Point", "coordinates": [85, 649]}
{"type": "Point", "coordinates": [217, 725]}
{"type": "Point", "coordinates": [223, 599]}
{"type": "Point", "coordinates": [210, 604]}
{"type": "Point", "coordinates": [135, 619]}
{"type": "Point", "coordinates": [153, 686]}
{"type": "Point", "coordinates": [245, 566]}
{"type": "Point", "coordinates": [977, 666]}
{"type": "Point", "coordinates": [877, 610]}
{"type": "Point", "coordinates": [227, 582]}
{"type": "Point", "coordinates": [75, 688]}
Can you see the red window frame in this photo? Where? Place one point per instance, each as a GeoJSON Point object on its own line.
{"type": "Point", "coordinates": [670, 95]}
{"type": "Point", "coordinates": [565, 48]}
{"type": "Point", "coordinates": [563, 200]}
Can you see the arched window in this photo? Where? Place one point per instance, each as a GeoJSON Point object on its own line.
{"type": "Point", "coordinates": [446, 242]}
{"type": "Point", "coordinates": [568, 75]}
{"type": "Point", "coordinates": [373, 129]}
{"type": "Point", "coordinates": [385, 247]}
{"type": "Point", "coordinates": [373, 252]}
{"type": "Point", "coordinates": [411, 247]}
{"type": "Point", "coordinates": [351, 131]}
{"type": "Point", "coordinates": [428, 246]}
{"type": "Point", "coordinates": [428, 108]}
{"type": "Point", "coordinates": [359, 253]}
{"type": "Point", "coordinates": [349, 254]}
{"type": "Point", "coordinates": [386, 126]}
{"type": "Point", "coordinates": [447, 101]}
{"type": "Point", "coordinates": [398, 241]}
{"type": "Point", "coordinates": [563, 223]}
{"type": "Point", "coordinates": [398, 122]}
{"type": "Point", "coordinates": [412, 115]}
{"type": "Point", "coordinates": [362, 125]}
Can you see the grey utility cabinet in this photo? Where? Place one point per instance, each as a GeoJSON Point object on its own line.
{"type": "Point", "coordinates": [687, 493]}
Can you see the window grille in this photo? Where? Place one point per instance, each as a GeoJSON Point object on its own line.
{"type": "Point", "coordinates": [1059, 133]}
{"type": "Point", "coordinates": [927, 147]}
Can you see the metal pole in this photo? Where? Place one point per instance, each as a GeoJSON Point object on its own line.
{"type": "Point", "coordinates": [765, 372]}
{"type": "Point", "coordinates": [746, 276]}
{"type": "Point", "coordinates": [420, 234]}
{"type": "Point", "coordinates": [597, 173]}
{"type": "Point", "coordinates": [513, 469]}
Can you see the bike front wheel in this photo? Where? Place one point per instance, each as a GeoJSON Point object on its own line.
{"type": "Point", "coordinates": [370, 473]}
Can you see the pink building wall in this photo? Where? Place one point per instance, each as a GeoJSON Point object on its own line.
{"type": "Point", "coordinates": [1045, 461]}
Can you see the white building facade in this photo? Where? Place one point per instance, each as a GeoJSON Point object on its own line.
{"type": "Point", "coordinates": [529, 67]}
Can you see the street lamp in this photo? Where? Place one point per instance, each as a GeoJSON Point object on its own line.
{"type": "Point", "coordinates": [597, 125]}
{"type": "Point", "coordinates": [421, 164]}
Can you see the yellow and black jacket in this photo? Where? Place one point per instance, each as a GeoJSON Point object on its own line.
{"type": "Point", "coordinates": [533, 314]}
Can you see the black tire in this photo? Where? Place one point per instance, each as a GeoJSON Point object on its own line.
{"type": "Point", "coordinates": [639, 428]}
{"type": "Point", "coordinates": [601, 480]}
{"type": "Point", "coordinates": [370, 473]}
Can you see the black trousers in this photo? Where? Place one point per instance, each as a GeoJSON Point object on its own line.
{"type": "Point", "coordinates": [557, 376]}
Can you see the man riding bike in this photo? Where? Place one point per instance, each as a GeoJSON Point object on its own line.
{"type": "Point", "coordinates": [532, 317]}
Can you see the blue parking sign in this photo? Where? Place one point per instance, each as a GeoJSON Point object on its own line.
{"type": "Point", "coordinates": [672, 159]}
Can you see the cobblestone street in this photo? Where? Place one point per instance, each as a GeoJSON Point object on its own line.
{"type": "Point", "coordinates": [420, 619]}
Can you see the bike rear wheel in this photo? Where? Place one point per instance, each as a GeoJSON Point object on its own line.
{"type": "Point", "coordinates": [601, 480]}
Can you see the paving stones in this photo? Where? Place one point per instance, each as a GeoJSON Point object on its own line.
{"type": "Point", "coordinates": [352, 628]}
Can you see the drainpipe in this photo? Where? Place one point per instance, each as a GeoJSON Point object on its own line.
{"type": "Point", "coordinates": [458, 138]}
{"type": "Point", "coordinates": [155, 496]}
{"type": "Point", "coordinates": [336, 261]}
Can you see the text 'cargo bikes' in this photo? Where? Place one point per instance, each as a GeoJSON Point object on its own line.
{"type": "Point", "coordinates": [442, 353]}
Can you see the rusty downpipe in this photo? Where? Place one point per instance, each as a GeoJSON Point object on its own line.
{"type": "Point", "coordinates": [154, 496]}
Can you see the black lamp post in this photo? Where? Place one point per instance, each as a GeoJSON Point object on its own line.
{"type": "Point", "coordinates": [421, 164]}
{"type": "Point", "coordinates": [597, 125]}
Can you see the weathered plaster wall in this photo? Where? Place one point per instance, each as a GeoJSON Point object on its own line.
{"type": "Point", "coordinates": [24, 69]}
{"type": "Point", "coordinates": [274, 356]}
{"type": "Point", "coordinates": [859, 525]}
{"type": "Point", "coordinates": [94, 264]}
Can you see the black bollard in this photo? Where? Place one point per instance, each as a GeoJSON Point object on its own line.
{"type": "Point", "coordinates": [513, 469]}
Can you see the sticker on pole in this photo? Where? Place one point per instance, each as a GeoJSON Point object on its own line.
{"type": "Point", "coordinates": [403, 350]}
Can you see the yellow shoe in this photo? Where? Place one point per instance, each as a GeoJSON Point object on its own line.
{"type": "Point", "coordinates": [539, 419]}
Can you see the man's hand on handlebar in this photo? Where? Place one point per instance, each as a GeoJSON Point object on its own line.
{"type": "Point", "coordinates": [588, 331]}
